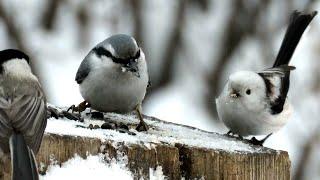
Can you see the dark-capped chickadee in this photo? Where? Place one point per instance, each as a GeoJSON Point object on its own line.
{"type": "Point", "coordinates": [22, 113]}
{"type": "Point", "coordinates": [113, 77]}
{"type": "Point", "coordinates": [255, 103]}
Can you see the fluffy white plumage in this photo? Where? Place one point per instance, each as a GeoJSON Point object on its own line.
{"type": "Point", "coordinates": [249, 114]}
{"type": "Point", "coordinates": [255, 103]}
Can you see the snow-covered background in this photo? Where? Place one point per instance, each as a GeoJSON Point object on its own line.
{"type": "Point", "coordinates": [191, 47]}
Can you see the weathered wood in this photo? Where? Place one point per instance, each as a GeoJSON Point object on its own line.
{"type": "Point", "coordinates": [217, 164]}
{"type": "Point", "coordinates": [177, 159]}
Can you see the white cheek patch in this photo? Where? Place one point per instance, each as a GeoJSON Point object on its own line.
{"type": "Point", "coordinates": [123, 69]}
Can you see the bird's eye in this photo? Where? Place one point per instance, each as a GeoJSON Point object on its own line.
{"type": "Point", "coordinates": [248, 91]}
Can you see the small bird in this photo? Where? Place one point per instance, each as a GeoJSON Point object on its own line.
{"type": "Point", "coordinates": [113, 77]}
{"type": "Point", "coordinates": [23, 113]}
{"type": "Point", "coordinates": [255, 103]}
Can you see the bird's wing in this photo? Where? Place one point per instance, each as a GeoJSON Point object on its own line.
{"type": "Point", "coordinates": [26, 114]}
{"type": "Point", "coordinates": [277, 85]}
{"type": "Point", "coordinates": [83, 70]}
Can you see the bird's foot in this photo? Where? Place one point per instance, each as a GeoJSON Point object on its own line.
{"type": "Point", "coordinates": [72, 116]}
{"type": "Point", "coordinates": [52, 112]}
{"type": "Point", "coordinates": [255, 141]}
{"type": "Point", "coordinates": [142, 126]}
{"type": "Point", "coordinates": [80, 108]}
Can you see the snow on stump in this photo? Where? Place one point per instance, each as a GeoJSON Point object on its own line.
{"type": "Point", "coordinates": [181, 151]}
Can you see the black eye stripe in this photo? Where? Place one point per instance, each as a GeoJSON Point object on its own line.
{"type": "Point", "coordinates": [101, 51]}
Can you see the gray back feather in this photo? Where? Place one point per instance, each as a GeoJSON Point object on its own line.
{"type": "Point", "coordinates": [83, 70]}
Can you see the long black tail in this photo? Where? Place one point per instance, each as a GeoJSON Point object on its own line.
{"type": "Point", "coordinates": [22, 159]}
{"type": "Point", "coordinates": [298, 23]}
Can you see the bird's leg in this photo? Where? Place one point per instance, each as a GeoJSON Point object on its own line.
{"type": "Point", "coordinates": [142, 126]}
{"type": "Point", "coordinates": [255, 141]}
{"type": "Point", "coordinates": [81, 107]}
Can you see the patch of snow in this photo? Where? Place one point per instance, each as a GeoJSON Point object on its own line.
{"type": "Point", "coordinates": [94, 167]}
{"type": "Point", "coordinates": [156, 174]}
{"type": "Point", "coordinates": [160, 132]}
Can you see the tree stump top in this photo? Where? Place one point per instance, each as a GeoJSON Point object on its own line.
{"type": "Point", "coordinates": [181, 151]}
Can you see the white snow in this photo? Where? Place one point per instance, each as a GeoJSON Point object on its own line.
{"type": "Point", "coordinates": [93, 167]}
{"type": "Point", "coordinates": [156, 174]}
{"type": "Point", "coordinates": [161, 132]}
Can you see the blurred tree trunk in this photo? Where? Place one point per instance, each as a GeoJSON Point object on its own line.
{"type": "Point", "coordinates": [136, 6]}
{"type": "Point", "coordinates": [50, 14]}
{"type": "Point", "coordinates": [83, 23]}
{"type": "Point", "coordinates": [16, 38]}
{"type": "Point", "coordinates": [306, 155]}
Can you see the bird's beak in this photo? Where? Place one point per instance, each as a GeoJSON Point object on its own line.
{"type": "Point", "coordinates": [234, 94]}
{"type": "Point", "coordinates": [132, 67]}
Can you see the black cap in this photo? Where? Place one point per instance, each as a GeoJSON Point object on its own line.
{"type": "Point", "coordinates": [9, 54]}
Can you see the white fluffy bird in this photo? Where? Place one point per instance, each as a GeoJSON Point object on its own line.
{"type": "Point", "coordinates": [255, 103]}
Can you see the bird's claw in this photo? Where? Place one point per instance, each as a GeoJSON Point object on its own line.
{"type": "Point", "coordinates": [52, 112]}
{"type": "Point", "coordinates": [80, 108]}
{"type": "Point", "coordinates": [72, 116]}
{"type": "Point", "coordinates": [142, 126]}
{"type": "Point", "coordinates": [255, 141]}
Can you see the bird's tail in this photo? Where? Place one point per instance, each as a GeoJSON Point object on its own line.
{"type": "Point", "coordinates": [22, 159]}
{"type": "Point", "coordinates": [298, 23]}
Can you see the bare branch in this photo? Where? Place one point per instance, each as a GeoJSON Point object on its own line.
{"type": "Point", "coordinates": [17, 37]}
{"type": "Point", "coordinates": [136, 6]}
{"type": "Point", "coordinates": [50, 14]}
{"type": "Point", "coordinates": [172, 47]}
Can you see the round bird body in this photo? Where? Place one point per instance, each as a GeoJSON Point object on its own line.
{"type": "Point", "coordinates": [109, 87]}
{"type": "Point", "coordinates": [113, 77]}
{"type": "Point", "coordinates": [255, 103]}
{"type": "Point", "coordinates": [243, 108]}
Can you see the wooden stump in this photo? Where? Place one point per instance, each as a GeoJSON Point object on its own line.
{"type": "Point", "coordinates": [178, 159]}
